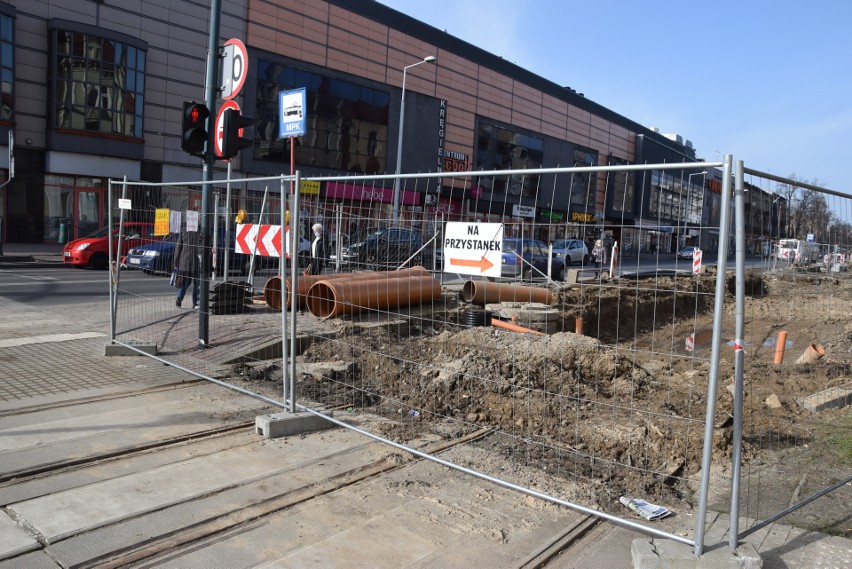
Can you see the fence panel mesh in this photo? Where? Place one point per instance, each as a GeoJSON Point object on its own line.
{"type": "Point", "coordinates": [585, 381]}
{"type": "Point", "coordinates": [797, 426]}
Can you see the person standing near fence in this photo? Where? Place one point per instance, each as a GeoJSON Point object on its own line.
{"type": "Point", "coordinates": [599, 257]}
{"type": "Point", "coordinates": [187, 260]}
{"type": "Point", "coordinates": [319, 251]}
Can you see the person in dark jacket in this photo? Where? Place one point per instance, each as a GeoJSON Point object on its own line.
{"type": "Point", "coordinates": [319, 251]}
{"type": "Point", "coordinates": [187, 258]}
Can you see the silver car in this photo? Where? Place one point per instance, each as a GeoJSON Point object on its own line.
{"type": "Point", "coordinates": [572, 251]}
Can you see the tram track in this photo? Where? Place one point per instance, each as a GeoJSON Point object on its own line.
{"type": "Point", "coordinates": [250, 515]}
{"type": "Point", "coordinates": [208, 529]}
{"type": "Point", "coordinates": [98, 398]}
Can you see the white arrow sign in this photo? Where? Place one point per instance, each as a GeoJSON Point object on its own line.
{"type": "Point", "coordinates": [473, 248]}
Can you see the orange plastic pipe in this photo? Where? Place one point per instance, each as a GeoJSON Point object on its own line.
{"type": "Point", "coordinates": [330, 298]}
{"type": "Point", "coordinates": [483, 292]}
{"type": "Point", "coordinates": [416, 271]}
{"type": "Point", "coordinates": [811, 354]}
{"type": "Point", "coordinates": [514, 327]}
{"type": "Point", "coordinates": [304, 283]}
{"type": "Point", "coordinates": [578, 325]}
{"type": "Point", "coordinates": [780, 346]}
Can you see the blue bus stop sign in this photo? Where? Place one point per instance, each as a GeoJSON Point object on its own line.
{"type": "Point", "coordinates": [291, 112]}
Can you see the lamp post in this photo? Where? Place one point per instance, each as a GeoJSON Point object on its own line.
{"type": "Point", "coordinates": [396, 182]}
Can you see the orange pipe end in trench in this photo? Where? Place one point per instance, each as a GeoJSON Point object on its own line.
{"type": "Point", "coordinates": [484, 292]}
{"type": "Point", "coordinates": [780, 346]}
{"type": "Point", "coordinates": [812, 354]}
{"type": "Point", "coordinates": [514, 327]}
{"type": "Point", "coordinates": [578, 325]}
{"type": "Point", "coordinates": [327, 299]}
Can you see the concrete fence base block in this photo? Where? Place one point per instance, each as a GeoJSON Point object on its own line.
{"type": "Point", "coordinates": [834, 397]}
{"type": "Point", "coordinates": [666, 554]}
{"type": "Point", "coordinates": [286, 424]}
{"type": "Point", "coordinates": [116, 350]}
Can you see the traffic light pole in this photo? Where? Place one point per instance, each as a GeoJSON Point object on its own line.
{"type": "Point", "coordinates": [212, 86]}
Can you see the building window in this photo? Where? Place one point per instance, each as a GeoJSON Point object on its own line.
{"type": "Point", "coordinates": [500, 148]}
{"type": "Point", "coordinates": [7, 66]}
{"type": "Point", "coordinates": [583, 187]}
{"type": "Point", "coordinates": [98, 84]}
{"type": "Point", "coordinates": [347, 124]}
{"type": "Point", "coordinates": [668, 197]}
{"type": "Point", "coordinates": [621, 185]}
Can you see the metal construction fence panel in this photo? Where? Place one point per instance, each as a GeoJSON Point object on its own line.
{"type": "Point", "coordinates": [477, 312]}
{"type": "Point", "coordinates": [794, 298]}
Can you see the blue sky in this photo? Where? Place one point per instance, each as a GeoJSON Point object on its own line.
{"type": "Point", "coordinates": [769, 82]}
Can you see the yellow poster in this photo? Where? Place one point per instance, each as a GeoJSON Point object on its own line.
{"type": "Point", "coordinates": [161, 221]}
{"type": "Point", "coordinates": [309, 187]}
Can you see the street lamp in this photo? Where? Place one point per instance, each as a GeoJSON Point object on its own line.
{"type": "Point", "coordinates": [428, 59]}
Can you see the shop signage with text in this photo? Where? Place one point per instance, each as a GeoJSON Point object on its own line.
{"type": "Point", "coordinates": [583, 217]}
{"type": "Point", "coordinates": [369, 193]}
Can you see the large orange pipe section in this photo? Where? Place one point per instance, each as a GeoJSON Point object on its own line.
{"type": "Point", "coordinates": [483, 292]}
{"type": "Point", "coordinates": [272, 290]}
{"type": "Point", "coordinates": [327, 299]}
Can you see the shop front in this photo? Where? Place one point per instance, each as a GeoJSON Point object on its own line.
{"type": "Point", "coordinates": [367, 205]}
{"type": "Point", "coordinates": [74, 207]}
{"type": "Point", "coordinates": [648, 237]}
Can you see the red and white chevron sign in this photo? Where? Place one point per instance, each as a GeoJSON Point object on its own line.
{"type": "Point", "coordinates": [696, 261]}
{"type": "Point", "coordinates": [263, 240]}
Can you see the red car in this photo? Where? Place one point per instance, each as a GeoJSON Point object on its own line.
{"type": "Point", "coordinates": [93, 251]}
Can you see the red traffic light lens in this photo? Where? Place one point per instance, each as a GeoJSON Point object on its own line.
{"type": "Point", "coordinates": [195, 114]}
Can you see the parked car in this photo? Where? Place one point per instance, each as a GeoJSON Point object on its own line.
{"type": "Point", "coordinates": [154, 257]}
{"type": "Point", "coordinates": [93, 251]}
{"type": "Point", "coordinates": [521, 255]}
{"type": "Point", "coordinates": [572, 251]}
{"type": "Point", "coordinates": [383, 249]}
{"type": "Point", "coordinates": [686, 252]}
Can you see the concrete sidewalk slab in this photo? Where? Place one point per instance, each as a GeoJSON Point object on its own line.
{"type": "Point", "coordinates": [82, 509]}
{"type": "Point", "coordinates": [664, 554]}
{"type": "Point", "coordinates": [14, 540]}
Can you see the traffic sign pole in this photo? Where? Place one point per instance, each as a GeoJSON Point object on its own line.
{"type": "Point", "coordinates": [212, 83]}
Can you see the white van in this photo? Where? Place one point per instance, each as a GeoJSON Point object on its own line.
{"type": "Point", "coordinates": [797, 251]}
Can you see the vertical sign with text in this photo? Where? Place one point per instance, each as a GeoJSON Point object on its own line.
{"type": "Point", "coordinates": [291, 113]}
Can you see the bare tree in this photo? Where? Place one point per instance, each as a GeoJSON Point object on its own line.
{"type": "Point", "coordinates": [807, 209]}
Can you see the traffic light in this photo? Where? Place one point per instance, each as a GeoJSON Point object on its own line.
{"type": "Point", "coordinates": [233, 124]}
{"type": "Point", "coordinates": [194, 133]}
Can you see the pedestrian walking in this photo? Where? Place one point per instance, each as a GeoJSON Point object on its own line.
{"type": "Point", "coordinates": [599, 257]}
{"type": "Point", "coordinates": [319, 251]}
{"type": "Point", "coordinates": [187, 258]}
